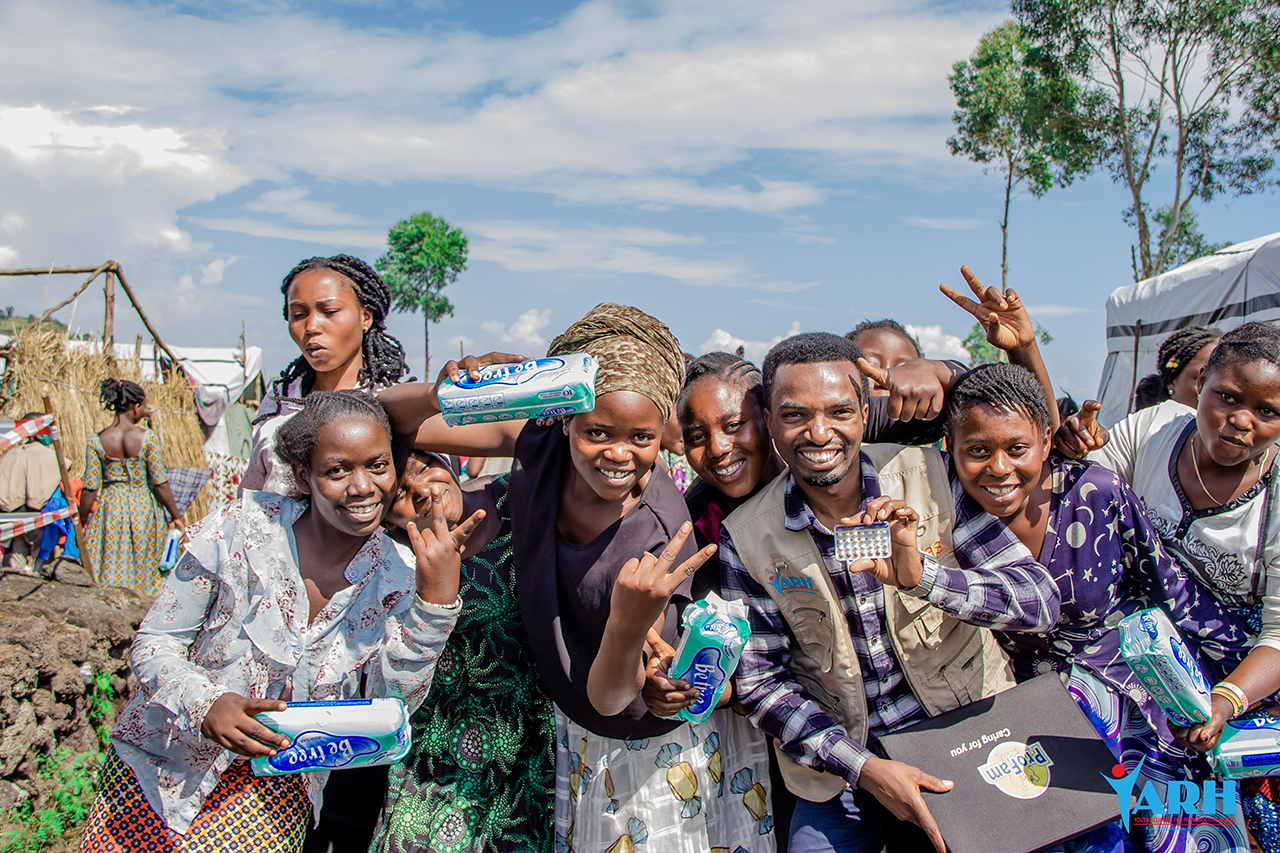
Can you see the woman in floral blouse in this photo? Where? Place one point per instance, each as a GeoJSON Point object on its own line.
{"type": "Point", "coordinates": [276, 598]}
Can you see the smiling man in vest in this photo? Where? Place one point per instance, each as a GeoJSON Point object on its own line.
{"type": "Point", "coordinates": [836, 656]}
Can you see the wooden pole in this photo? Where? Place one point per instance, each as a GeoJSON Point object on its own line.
{"type": "Point", "coordinates": [95, 272]}
{"type": "Point", "coordinates": [82, 541]}
{"type": "Point", "coordinates": [109, 316]}
{"type": "Point", "coordinates": [54, 270]}
{"type": "Point", "coordinates": [143, 316]}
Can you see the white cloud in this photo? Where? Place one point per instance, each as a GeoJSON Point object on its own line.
{"type": "Point", "coordinates": [1058, 310]}
{"type": "Point", "coordinates": [38, 137]}
{"type": "Point", "coordinates": [527, 329]}
{"type": "Point", "coordinates": [463, 343]}
{"type": "Point", "coordinates": [603, 105]}
{"type": "Point", "coordinates": [12, 222]}
{"type": "Point", "coordinates": [937, 343]}
{"type": "Point", "coordinates": [8, 256]}
{"type": "Point", "coordinates": [331, 237]}
{"type": "Point", "coordinates": [212, 272]}
{"type": "Point", "coordinates": [754, 351]}
{"type": "Point", "coordinates": [292, 203]}
{"type": "Point", "coordinates": [938, 224]}
{"type": "Point", "coordinates": [554, 247]}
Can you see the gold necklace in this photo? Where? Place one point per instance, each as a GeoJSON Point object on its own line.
{"type": "Point", "coordinates": [1195, 465]}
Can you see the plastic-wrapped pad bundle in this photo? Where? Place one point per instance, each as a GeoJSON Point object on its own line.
{"type": "Point", "coordinates": [170, 551]}
{"type": "Point", "coordinates": [1157, 654]}
{"type": "Point", "coordinates": [537, 388]}
{"type": "Point", "coordinates": [715, 632]}
{"type": "Point", "coordinates": [1248, 748]}
{"type": "Point", "coordinates": [336, 735]}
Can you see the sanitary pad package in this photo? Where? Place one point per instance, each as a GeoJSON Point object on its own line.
{"type": "Point", "coordinates": [170, 551]}
{"type": "Point", "coordinates": [715, 632]}
{"type": "Point", "coordinates": [1248, 748]}
{"type": "Point", "coordinates": [334, 735]}
{"type": "Point", "coordinates": [537, 388]}
{"type": "Point", "coordinates": [1166, 667]}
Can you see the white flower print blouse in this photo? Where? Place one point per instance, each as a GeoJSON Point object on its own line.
{"type": "Point", "coordinates": [232, 617]}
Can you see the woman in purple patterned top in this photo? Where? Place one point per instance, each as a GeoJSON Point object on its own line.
{"type": "Point", "coordinates": [1091, 533]}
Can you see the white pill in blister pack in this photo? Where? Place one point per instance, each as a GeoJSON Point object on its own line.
{"type": "Point", "coordinates": [862, 541]}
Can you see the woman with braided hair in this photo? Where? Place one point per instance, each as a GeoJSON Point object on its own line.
{"type": "Point", "coordinates": [337, 311]}
{"type": "Point", "coordinates": [1088, 528]}
{"type": "Point", "coordinates": [1178, 364]}
{"type": "Point", "coordinates": [1208, 481]}
{"type": "Point", "coordinates": [125, 474]}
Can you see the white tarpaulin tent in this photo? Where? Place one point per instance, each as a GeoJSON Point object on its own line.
{"type": "Point", "coordinates": [1239, 284]}
{"type": "Point", "coordinates": [219, 374]}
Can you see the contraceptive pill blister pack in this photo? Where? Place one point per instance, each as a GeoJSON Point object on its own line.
{"type": "Point", "coordinates": [863, 542]}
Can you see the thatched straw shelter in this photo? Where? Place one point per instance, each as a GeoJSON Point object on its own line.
{"type": "Point", "coordinates": [40, 365]}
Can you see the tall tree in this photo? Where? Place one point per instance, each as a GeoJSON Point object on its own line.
{"type": "Point", "coordinates": [1020, 114]}
{"type": "Point", "coordinates": [1185, 84]}
{"type": "Point", "coordinates": [425, 253]}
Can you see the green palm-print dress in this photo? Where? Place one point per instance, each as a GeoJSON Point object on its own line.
{"type": "Point", "coordinates": [480, 775]}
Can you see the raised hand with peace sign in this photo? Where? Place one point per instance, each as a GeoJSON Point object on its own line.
{"type": "Point", "coordinates": [1002, 315]}
{"type": "Point", "coordinates": [439, 551]}
{"type": "Point", "coordinates": [638, 602]}
{"type": "Point", "coordinates": [1008, 326]}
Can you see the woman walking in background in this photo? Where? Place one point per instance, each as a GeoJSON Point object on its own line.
{"type": "Point", "coordinates": [135, 505]}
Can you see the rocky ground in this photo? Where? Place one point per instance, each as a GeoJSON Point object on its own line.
{"type": "Point", "coordinates": [56, 636]}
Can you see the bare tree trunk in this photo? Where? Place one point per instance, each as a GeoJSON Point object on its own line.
{"type": "Point", "coordinates": [426, 345]}
{"type": "Point", "coordinates": [1004, 226]}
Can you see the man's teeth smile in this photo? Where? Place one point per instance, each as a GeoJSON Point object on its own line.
{"type": "Point", "coordinates": [617, 476]}
{"type": "Point", "coordinates": [820, 457]}
{"type": "Point", "coordinates": [729, 470]}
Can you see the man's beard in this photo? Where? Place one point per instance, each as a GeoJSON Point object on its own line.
{"type": "Point", "coordinates": [829, 479]}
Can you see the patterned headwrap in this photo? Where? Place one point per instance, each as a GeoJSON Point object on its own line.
{"type": "Point", "coordinates": [636, 353]}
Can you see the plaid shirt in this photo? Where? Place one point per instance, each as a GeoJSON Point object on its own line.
{"type": "Point", "coordinates": [1002, 587]}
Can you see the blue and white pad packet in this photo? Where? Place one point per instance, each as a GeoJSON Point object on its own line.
{"type": "Point", "coordinates": [1157, 654]}
{"type": "Point", "coordinates": [715, 632]}
{"type": "Point", "coordinates": [537, 388]}
{"type": "Point", "coordinates": [1248, 748]}
{"type": "Point", "coordinates": [336, 735]}
{"type": "Point", "coordinates": [170, 551]}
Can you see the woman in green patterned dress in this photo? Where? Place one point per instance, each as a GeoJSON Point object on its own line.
{"type": "Point", "coordinates": [480, 775]}
{"type": "Point", "coordinates": [124, 473]}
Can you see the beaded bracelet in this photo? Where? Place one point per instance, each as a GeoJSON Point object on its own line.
{"type": "Point", "coordinates": [1233, 694]}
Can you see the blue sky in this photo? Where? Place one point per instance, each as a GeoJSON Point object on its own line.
{"type": "Point", "coordinates": [740, 170]}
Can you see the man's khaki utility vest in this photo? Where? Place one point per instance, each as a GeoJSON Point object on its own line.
{"type": "Point", "coordinates": [947, 663]}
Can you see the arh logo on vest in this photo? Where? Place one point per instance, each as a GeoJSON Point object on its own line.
{"type": "Point", "coordinates": [1211, 803]}
{"type": "Point", "coordinates": [798, 583]}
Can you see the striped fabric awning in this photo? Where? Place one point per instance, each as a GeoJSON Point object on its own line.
{"type": "Point", "coordinates": [17, 523]}
{"type": "Point", "coordinates": [15, 432]}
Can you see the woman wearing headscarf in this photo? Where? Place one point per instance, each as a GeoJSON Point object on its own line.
{"type": "Point", "coordinates": [585, 497]}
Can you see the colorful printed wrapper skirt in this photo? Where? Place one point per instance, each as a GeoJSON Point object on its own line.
{"type": "Point", "coordinates": [243, 813]}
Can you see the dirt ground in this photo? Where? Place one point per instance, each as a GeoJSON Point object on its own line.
{"type": "Point", "coordinates": [56, 636]}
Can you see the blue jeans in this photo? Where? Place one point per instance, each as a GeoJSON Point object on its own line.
{"type": "Point", "coordinates": [853, 822]}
